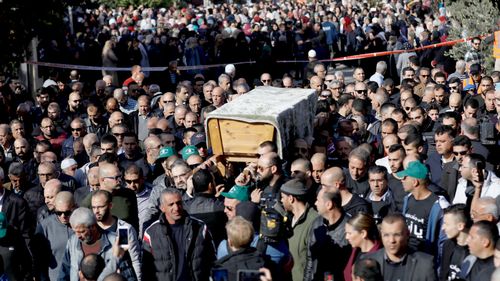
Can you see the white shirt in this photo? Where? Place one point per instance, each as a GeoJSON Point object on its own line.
{"type": "Point", "coordinates": [377, 77]}
{"type": "Point", "coordinates": [491, 188]}
{"type": "Point", "coordinates": [384, 162]}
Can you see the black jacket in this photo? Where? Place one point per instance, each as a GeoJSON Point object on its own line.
{"type": "Point", "coordinates": [210, 210]}
{"type": "Point", "coordinates": [419, 266]}
{"type": "Point", "coordinates": [159, 260]}
{"type": "Point", "coordinates": [35, 199]}
{"type": "Point", "coordinates": [249, 259]}
{"type": "Point", "coordinates": [15, 255]}
{"type": "Point", "coordinates": [16, 210]}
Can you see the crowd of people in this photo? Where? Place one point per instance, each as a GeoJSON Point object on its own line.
{"type": "Point", "coordinates": [110, 177]}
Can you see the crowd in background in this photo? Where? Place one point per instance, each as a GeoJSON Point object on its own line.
{"type": "Point", "coordinates": [109, 175]}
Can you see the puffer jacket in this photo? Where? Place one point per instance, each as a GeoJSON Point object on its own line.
{"type": "Point", "coordinates": [159, 260]}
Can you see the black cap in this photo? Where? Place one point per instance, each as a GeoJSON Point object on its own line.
{"type": "Point", "coordinates": [294, 187]}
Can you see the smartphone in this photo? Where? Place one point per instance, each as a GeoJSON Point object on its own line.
{"type": "Point", "coordinates": [122, 236]}
{"type": "Point", "coordinates": [480, 167]}
{"type": "Point", "coordinates": [248, 275]}
{"type": "Point", "coordinates": [219, 275]}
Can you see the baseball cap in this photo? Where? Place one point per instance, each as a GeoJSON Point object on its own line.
{"type": "Point", "coordinates": [3, 225]}
{"type": "Point", "coordinates": [294, 187]}
{"type": "Point", "coordinates": [237, 192]}
{"type": "Point", "coordinates": [311, 54]}
{"type": "Point", "coordinates": [415, 169]}
{"type": "Point", "coordinates": [198, 138]}
{"type": "Point", "coordinates": [166, 152]}
{"type": "Point", "coordinates": [189, 150]}
{"type": "Point", "coordinates": [469, 87]}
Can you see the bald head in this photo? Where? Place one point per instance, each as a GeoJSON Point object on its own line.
{"type": "Point", "coordinates": [109, 177]}
{"type": "Point", "coordinates": [64, 198]}
{"type": "Point", "coordinates": [54, 185]}
{"type": "Point", "coordinates": [50, 190]}
{"type": "Point", "coordinates": [332, 177]}
{"type": "Point", "coordinates": [48, 156]}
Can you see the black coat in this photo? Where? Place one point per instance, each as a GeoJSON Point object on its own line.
{"type": "Point", "coordinates": [419, 266]}
{"type": "Point", "coordinates": [246, 259]}
{"type": "Point", "coordinates": [16, 210]}
{"type": "Point", "coordinates": [15, 255]}
{"type": "Point", "coordinates": [159, 259]}
{"type": "Point", "coordinates": [210, 210]}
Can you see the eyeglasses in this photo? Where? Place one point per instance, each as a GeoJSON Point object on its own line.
{"type": "Point", "coordinates": [46, 175]}
{"type": "Point", "coordinates": [133, 181]}
{"type": "Point", "coordinates": [65, 213]}
{"type": "Point", "coordinates": [361, 91]}
{"type": "Point", "coordinates": [262, 168]}
{"type": "Point", "coordinates": [167, 101]}
{"type": "Point", "coordinates": [76, 129]}
{"type": "Point", "coordinates": [424, 75]}
{"type": "Point", "coordinates": [462, 153]}
{"type": "Point", "coordinates": [118, 134]}
{"type": "Point", "coordinates": [113, 178]}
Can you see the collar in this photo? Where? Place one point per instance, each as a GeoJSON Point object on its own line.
{"type": "Point", "coordinates": [144, 191]}
{"type": "Point", "coordinates": [389, 261]}
{"type": "Point", "coordinates": [336, 224]}
{"type": "Point", "coordinates": [385, 197]}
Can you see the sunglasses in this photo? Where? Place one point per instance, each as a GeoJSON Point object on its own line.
{"type": "Point", "coordinates": [462, 153]}
{"type": "Point", "coordinates": [66, 213]}
{"type": "Point", "coordinates": [361, 91]}
{"type": "Point", "coordinates": [132, 181]}
{"type": "Point", "coordinates": [265, 81]}
{"type": "Point", "coordinates": [408, 108]}
{"type": "Point", "coordinates": [424, 75]}
{"type": "Point", "coordinates": [76, 129]}
{"type": "Point", "coordinates": [118, 135]}
{"type": "Point", "coordinates": [167, 101]}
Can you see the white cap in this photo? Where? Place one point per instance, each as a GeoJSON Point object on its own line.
{"type": "Point", "coordinates": [48, 83]}
{"type": "Point", "coordinates": [68, 162]}
{"type": "Point", "coordinates": [230, 69]}
{"type": "Point", "coordinates": [311, 54]}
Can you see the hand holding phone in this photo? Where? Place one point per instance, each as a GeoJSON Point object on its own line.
{"type": "Point", "coordinates": [123, 237]}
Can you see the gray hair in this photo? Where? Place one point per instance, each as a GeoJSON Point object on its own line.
{"type": "Point", "coordinates": [470, 126]}
{"type": "Point", "coordinates": [490, 206]}
{"type": "Point", "coordinates": [360, 154]}
{"type": "Point", "coordinates": [82, 216]}
{"type": "Point", "coordinates": [171, 191]}
{"type": "Point", "coordinates": [381, 67]}
{"type": "Point", "coordinates": [460, 65]}
{"type": "Point", "coordinates": [348, 140]}
{"type": "Point", "coordinates": [16, 169]}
